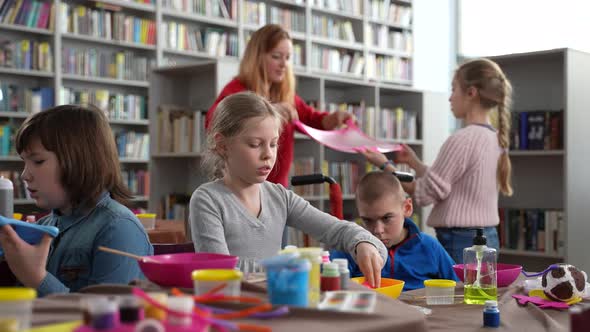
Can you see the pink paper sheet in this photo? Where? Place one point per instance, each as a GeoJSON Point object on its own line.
{"type": "Point", "coordinates": [349, 139]}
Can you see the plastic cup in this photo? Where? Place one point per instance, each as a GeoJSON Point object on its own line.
{"type": "Point", "coordinates": [221, 281]}
{"type": "Point", "coordinates": [148, 220]}
{"type": "Point", "coordinates": [440, 291]}
{"type": "Point", "coordinates": [16, 305]}
{"type": "Point", "coordinates": [287, 278]}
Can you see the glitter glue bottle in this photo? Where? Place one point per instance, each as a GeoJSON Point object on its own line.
{"type": "Point", "coordinates": [330, 277]}
{"type": "Point", "coordinates": [491, 314]}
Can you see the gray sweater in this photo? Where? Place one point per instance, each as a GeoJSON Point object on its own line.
{"type": "Point", "coordinates": [220, 223]}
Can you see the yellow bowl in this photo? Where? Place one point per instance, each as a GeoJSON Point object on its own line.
{"type": "Point", "coordinates": [389, 287]}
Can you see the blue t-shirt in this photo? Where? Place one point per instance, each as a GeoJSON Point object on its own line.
{"type": "Point", "coordinates": [417, 258]}
{"type": "Point", "coordinates": [74, 260]}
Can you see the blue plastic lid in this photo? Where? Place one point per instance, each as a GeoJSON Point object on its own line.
{"type": "Point", "coordinates": [30, 233]}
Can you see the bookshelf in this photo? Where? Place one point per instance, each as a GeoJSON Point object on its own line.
{"type": "Point", "coordinates": [195, 87]}
{"type": "Point", "coordinates": [550, 177]}
{"type": "Point", "coordinates": [81, 52]}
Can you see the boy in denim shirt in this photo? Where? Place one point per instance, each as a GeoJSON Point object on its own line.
{"type": "Point", "coordinates": [413, 256]}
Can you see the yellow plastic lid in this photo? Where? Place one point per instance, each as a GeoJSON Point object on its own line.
{"type": "Point", "coordinates": [441, 283]}
{"type": "Point", "coordinates": [217, 275]}
{"type": "Point", "coordinates": [145, 215]}
{"type": "Point", "coordinates": [17, 294]}
{"type": "Point", "coordinates": [17, 216]}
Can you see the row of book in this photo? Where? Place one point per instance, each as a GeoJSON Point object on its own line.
{"type": "Point", "coordinates": [346, 173]}
{"type": "Point", "coordinates": [386, 10]}
{"type": "Point", "coordinates": [138, 181]}
{"type": "Point", "coordinates": [383, 37]}
{"type": "Point", "coordinates": [353, 7]}
{"type": "Point", "coordinates": [537, 230]}
{"type": "Point", "coordinates": [254, 13]}
{"type": "Point", "coordinates": [107, 24]}
{"type": "Point", "coordinates": [30, 13]}
{"type": "Point", "coordinates": [132, 144]}
{"type": "Point", "coordinates": [116, 105]}
{"type": "Point", "coordinates": [328, 27]}
{"type": "Point", "coordinates": [106, 63]}
{"type": "Point", "coordinates": [305, 166]}
{"type": "Point", "coordinates": [217, 8]}
{"type": "Point", "coordinates": [19, 98]}
{"type": "Point", "coordinates": [7, 132]}
{"type": "Point", "coordinates": [337, 61]}
{"type": "Point", "coordinates": [388, 68]}
{"type": "Point", "coordinates": [289, 19]}
{"type": "Point", "coordinates": [26, 54]}
{"type": "Point", "coordinates": [537, 130]}
{"type": "Point", "coordinates": [180, 130]}
{"type": "Point", "coordinates": [364, 115]}
{"type": "Point", "coordinates": [213, 41]}
{"type": "Point", "coordinates": [175, 206]}
{"type": "Point", "coordinates": [397, 123]}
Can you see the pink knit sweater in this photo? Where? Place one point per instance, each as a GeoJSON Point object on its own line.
{"type": "Point", "coordinates": [461, 183]}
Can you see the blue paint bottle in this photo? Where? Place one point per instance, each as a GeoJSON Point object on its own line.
{"type": "Point", "coordinates": [491, 314]}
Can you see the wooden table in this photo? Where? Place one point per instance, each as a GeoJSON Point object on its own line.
{"type": "Point", "coordinates": [168, 231]}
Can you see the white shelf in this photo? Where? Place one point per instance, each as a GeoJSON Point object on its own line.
{"type": "Point", "coordinates": [17, 115]}
{"type": "Point", "coordinates": [132, 5]}
{"type": "Point", "coordinates": [297, 35]}
{"type": "Point", "coordinates": [301, 136]}
{"type": "Point", "coordinates": [536, 153]}
{"type": "Point", "coordinates": [200, 18]}
{"type": "Point", "coordinates": [398, 81]}
{"type": "Point", "coordinates": [528, 253]}
{"type": "Point", "coordinates": [390, 24]}
{"type": "Point", "coordinates": [337, 13]}
{"type": "Point", "coordinates": [337, 43]}
{"type": "Point", "coordinates": [24, 201]}
{"type": "Point", "coordinates": [196, 54]}
{"type": "Point", "coordinates": [340, 76]}
{"type": "Point", "coordinates": [288, 3]}
{"type": "Point", "coordinates": [402, 141]}
{"type": "Point", "coordinates": [26, 72]}
{"type": "Point", "coordinates": [177, 155]}
{"type": "Point", "coordinates": [10, 158]}
{"type": "Point", "coordinates": [104, 41]}
{"type": "Point", "coordinates": [105, 80]}
{"type": "Point", "coordinates": [130, 122]}
{"type": "Point", "coordinates": [23, 28]}
{"type": "Point", "coordinates": [140, 199]}
{"type": "Point", "coordinates": [125, 160]}
{"type": "Point", "coordinates": [389, 52]}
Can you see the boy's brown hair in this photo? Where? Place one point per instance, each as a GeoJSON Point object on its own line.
{"type": "Point", "coordinates": [84, 144]}
{"type": "Point", "coordinates": [375, 185]}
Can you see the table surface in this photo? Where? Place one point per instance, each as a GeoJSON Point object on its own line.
{"type": "Point", "coordinates": [168, 231]}
{"type": "Point", "coordinates": [389, 315]}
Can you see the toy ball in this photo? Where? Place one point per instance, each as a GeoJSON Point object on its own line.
{"type": "Point", "coordinates": [564, 283]}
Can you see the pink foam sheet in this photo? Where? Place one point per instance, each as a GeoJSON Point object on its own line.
{"type": "Point", "coordinates": [348, 139]}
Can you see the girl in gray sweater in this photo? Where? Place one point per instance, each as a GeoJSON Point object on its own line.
{"type": "Point", "coordinates": [240, 213]}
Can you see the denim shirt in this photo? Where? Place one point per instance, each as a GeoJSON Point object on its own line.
{"type": "Point", "coordinates": [74, 260]}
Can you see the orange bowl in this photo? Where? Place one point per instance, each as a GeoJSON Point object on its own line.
{"type": "Point", "coordinates": [389, 287]}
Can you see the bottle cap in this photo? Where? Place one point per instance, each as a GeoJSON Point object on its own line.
{"type": "Point", "coordinates": [491, 304]}
{"type": "Point", "coordinates": [5, 183]}
{"type": "Point", "coordinates": [331, 269]}
{"type": "Point", "coordinates": [181, 303]}
{"type": "Point", "coordinates": [479, 239]}
{"type": "Point", "coordinates": [342, 263]}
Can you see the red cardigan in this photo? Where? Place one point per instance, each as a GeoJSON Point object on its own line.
{"type": "Point", "coordinates": [307, 115]}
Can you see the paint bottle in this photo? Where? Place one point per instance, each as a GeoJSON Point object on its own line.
{"type": "Point", "coordinates": [153, 312]}
{"type": "Point", "coordinates": [330, 277]}
{"type": "Point", "coordinates": [6, 197]}
{"type": "Point", "coordinates": [103, 314]}
{"type": "Point", "coordinates": [149, 325]}
{"type": "Point", "coordinates": [313, 255]}
{"type": "Point", "coordinates": [182, 304]}
{"type": "Point", "coordinates": [344, 272]}
{"type": "Point", "coordinates": [491, 314]}
{"type": "Point", "coordinates": [130, 310]}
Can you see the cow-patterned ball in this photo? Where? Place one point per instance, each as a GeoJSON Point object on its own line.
{"type": "Point", "coordinates": [564, 283]}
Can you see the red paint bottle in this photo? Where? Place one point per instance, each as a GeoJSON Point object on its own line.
{"type": "Point", "coordinates": [330, 277]}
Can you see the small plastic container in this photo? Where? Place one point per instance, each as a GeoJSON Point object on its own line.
{"type": "Point", "coordinates": [440, 291]}
{"type": "Point", "coordinates": [288, 279]}
{"type": "Point", "coordinates": [226, 281]}
{"type": "Point", "coordinates": [148, 220]}
{"type": "Point", "coordinates": [16, 305]}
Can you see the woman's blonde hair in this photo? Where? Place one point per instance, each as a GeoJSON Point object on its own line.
{"type": "Point", "coordinates": [229, 120]}
{"type": "Point", "coordinates": [494, 90]}
{"type": "Point", "coordinates": [84, 144]}
{"type": "Point", "coordinates": [253, 70]}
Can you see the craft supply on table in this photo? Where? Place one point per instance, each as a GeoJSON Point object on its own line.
{"type": "Point", "coordinates": [218, 281]}
{"type": "Point", "coordinates": [440, 291]}
{"type": "Point", "coordinates": [313, 256]}
{"type": "Point", "coordinates": [330, 280]}
{"type": "Point", "coordinates": [130, 309]}
{"type": "Point", "coordinates": [16, 305]}
{"type": "Point", "coordinates": [344, 272]}
{"type": "Point", "coordinates": [491, 314]}
{"type": "Point", "coordinates": [30, 233]}
{"type": "Point", "coordinates": [350, 301]}
{"type": "Point", "coordinates": [288, 279]}
{"type": "Point", "coordinates": [479, 271]}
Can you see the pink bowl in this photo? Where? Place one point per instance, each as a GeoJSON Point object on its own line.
{"type": "Point", "coordinates": [174, 270]}
{"type": "Point", "coordinates": [507, 273]}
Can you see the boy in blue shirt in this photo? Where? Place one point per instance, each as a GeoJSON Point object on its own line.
{"type": "Point", "coordinates": [413, 256]}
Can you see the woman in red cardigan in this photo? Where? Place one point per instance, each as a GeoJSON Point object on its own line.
{"type": "Point", "coordinates": [266, 70]}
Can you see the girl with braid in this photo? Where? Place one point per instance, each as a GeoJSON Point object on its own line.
{"type": "Point", "coordinates": [472, 165]}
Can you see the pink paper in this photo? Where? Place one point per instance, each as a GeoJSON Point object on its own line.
{"type": "Point", "coordinates": [349, 139]}
{"type": "Point", "coordinates": [542, 303]}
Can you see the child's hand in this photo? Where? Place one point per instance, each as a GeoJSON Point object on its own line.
{"type": "Point", "coordinates": [27, 262]}
{"type": "Point", "coordinates": [406, 156]}
{"type": "Point", "coordinates": [370, 262]}
{"type": "Point", "coordinates": [373, 156]}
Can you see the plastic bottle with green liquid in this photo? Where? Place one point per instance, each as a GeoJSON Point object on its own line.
{"type": "Point", "coordinates": [479, 268]}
